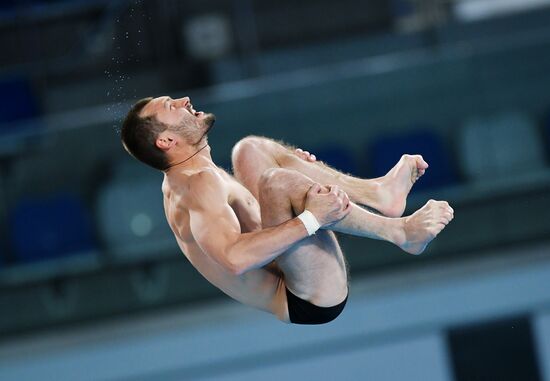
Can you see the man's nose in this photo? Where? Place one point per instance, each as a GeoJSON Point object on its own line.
{"type": "Point", "coordinates": [185, 101]}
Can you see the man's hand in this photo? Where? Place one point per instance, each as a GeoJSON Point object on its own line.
{"type": "Point", "coordinates": [305, 155]}
{"type": "Point", "coordinates": [328, 204]}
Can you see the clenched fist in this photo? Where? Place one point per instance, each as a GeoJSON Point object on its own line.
{"type": "Point", "coordinates": [305, 155]}
{"type": "Point", "coordinates": [328, 204]}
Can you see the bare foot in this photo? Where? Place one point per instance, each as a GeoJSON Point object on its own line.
{"type": "Point", "coordinates": [424, 225]}
{"type": "Point", "coordinates": [396, 185]}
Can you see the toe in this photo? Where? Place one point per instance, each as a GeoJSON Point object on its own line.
{"type": "Point", "coordinates": [421, 163]}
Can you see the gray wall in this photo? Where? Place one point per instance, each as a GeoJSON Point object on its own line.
{"type": "Point", "coordinates": [393, 328]}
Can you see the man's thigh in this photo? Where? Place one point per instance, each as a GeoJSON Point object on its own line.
{"type": "Point", "coordinates": [314, 269]}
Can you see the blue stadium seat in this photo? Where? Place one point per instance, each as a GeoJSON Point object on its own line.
{"type": "Point", "coordinates": [337, 157]}
{"type": "Point", "coordinates": [130, 218]}
{"type": "Point", "coordinates": [387, 150]}
{"type": "Point", "coordinates": [17, 100]}
{"type": "Point", "coordinates": [48, 228]}
{"type": "Point", "coordinates": [497, 146]}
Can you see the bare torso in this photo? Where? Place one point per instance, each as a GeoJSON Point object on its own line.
{"type": "Point", "coordinates": [261, 288]}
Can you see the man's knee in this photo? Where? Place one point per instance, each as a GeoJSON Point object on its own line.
{"type": "Point", "coordinates": [279, 187]}
{"type": "Point", "coordinates": [273, 179]}
{"type": "Point", "coordinates": [247, 148]}
{"type": "Point", "coordinates": [281, 181]}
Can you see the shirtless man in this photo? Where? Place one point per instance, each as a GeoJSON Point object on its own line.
{"type": "Point", "coordinates": [265, 236]}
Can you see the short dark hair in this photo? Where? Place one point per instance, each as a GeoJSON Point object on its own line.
{"type": "Point", "coordinates": [139, 134]}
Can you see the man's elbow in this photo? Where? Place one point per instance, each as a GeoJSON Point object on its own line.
{"type": "Point", "coordinates": [238, 270]}
{"type": "Point", "coordinates": [235, 265]}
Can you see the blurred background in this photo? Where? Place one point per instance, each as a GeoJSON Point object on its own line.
{"type": "Point", "coordinates": [92, 285]}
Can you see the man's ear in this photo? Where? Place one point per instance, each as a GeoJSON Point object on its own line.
{"type": "Point", "coordinates": [165, 141]}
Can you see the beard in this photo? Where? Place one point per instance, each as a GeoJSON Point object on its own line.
{"type": "Point", "coordinates": [209, 120]}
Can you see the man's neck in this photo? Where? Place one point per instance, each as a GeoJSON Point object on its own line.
{"type": "Point", "coordinates": [190, 159]}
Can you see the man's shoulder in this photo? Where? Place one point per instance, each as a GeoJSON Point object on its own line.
{"type": "Point", "coordinates": [203, 176]}
{"type": "Point", "coordinates": [184, 181]}
{"type": "Point", "coordinates": [204, 187]}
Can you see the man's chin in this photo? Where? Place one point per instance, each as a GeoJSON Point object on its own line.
{"type": "Point", "coordinates": [209, 119]}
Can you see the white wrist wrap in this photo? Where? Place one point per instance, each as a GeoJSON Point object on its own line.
{"type": "Point", "coordinates": [309, 221]}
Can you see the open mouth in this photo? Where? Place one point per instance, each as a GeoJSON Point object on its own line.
{"type": "Point", "coordinates": [193, 111]}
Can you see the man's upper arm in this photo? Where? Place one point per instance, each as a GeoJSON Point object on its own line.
{"type": "Point", "coordinates": [213, 223]}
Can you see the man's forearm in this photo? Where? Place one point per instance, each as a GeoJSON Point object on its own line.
{"type": "Point", "coordinates": [256, 249]}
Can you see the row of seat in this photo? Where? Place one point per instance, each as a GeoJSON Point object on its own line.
{"type": "Point", "coordinates": [17, 101]}
{"type": "Point", "coordinates": [487, 148]}
{"type": "Point", "coordinates": [129, 216]}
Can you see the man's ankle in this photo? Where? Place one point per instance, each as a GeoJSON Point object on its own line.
{"type": "Point", "coordinates": [399, 234]}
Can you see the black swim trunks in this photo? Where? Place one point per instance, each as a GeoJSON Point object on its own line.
{"type": "Point", "coordinates": [303, 312]}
